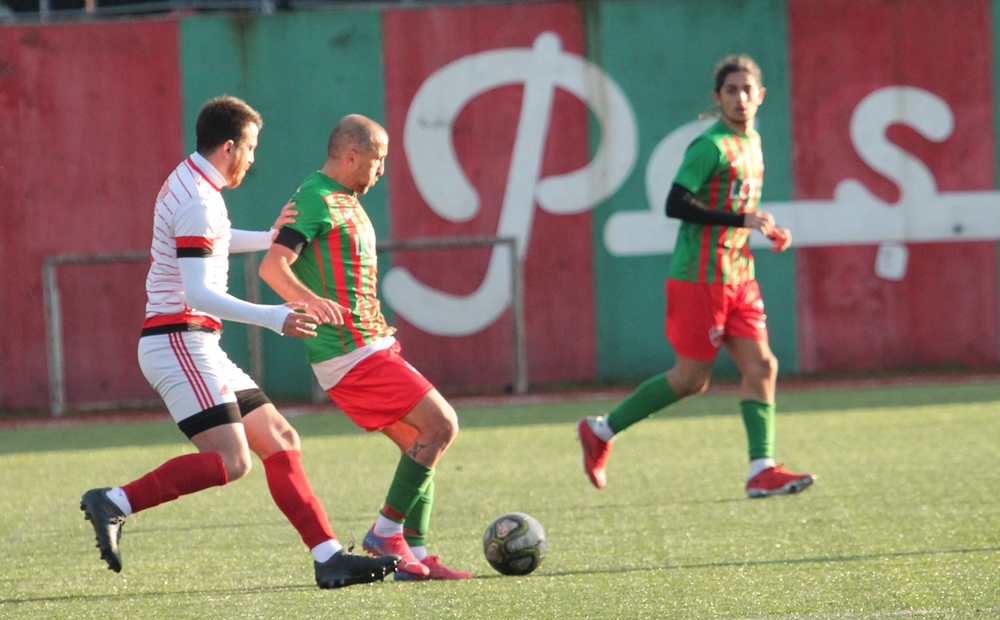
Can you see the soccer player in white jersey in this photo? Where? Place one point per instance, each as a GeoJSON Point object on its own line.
{"type": "Point", "coordinates": [215, 404]}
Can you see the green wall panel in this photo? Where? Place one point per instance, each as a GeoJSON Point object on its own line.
{"type": "Point", "coordinates": [302, 72]}
{"type": "Point", "coordinates": [662, 56]}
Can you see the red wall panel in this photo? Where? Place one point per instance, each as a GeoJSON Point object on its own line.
{"type": "Point", "coordinates": [558, 269]}
{"type": "Point", "coordinates": [942, 311]}
{"type": "Point", "coordinates": [91, 128]}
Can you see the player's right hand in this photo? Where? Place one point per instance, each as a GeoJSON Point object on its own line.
{"type": "Point", "coordinates": [299, 324]}
{"type": "Point", "coordinates": [327, 311]}
{"type": "Point", "coordinates": [287, 216]}
{"type": "Point", "coordinates": [760, 220]}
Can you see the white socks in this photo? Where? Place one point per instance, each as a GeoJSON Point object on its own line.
{"type": "Point", "coordinates": [759, 465]}
{"type": "Point", "coordinates": [118, 497]}
{"type": "Point", "coordinates": [600, 427]}
{"type": "Point", "coordinates": [385, 527]}
{"type": "Point", "coordinates": [420, 552]}
{"type": "Point", "coordinates": [326, 550]}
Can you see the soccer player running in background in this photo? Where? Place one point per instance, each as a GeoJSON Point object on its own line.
{"type": "Point", "coordinates": [326, 260]}
{"type": "Point", "coordinates": [712, 296]}
{"type": "Point", "coordinates": [215, 404]}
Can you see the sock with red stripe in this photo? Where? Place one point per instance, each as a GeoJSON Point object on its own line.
{"type": "Point", "coordinates": [294, 496]}
{"type": "Point", "coordinates": [409, 483]}
{"type": "Point", "coordinates": [418, 522]}
{"type": "Point", "coordinates": [182, 475]}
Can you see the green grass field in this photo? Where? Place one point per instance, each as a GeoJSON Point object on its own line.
{"type": "Point", "coordinates": [904, 520]}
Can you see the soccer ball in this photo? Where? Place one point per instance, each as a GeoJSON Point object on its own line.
{"type": "Point", "coordinates": [514, 543]}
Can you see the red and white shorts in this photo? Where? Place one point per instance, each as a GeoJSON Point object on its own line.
{"type": "Point", "coordinates": [380, 389]}
{"type": "Point", "coordinates": [191, 372]}
{"type": "Point", "coordinates": [700, 316]}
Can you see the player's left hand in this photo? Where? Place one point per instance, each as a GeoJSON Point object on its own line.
{"type": "Point", "coordinates": [287, 216]}
{"type": "Point", "coordinates": [782, 238]}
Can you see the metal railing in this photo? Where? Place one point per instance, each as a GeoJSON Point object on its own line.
{"type": "Point", "coordinates": [54, 322]}
{"type": "Point", "coordinates": [62, 10]}
{"type": "Point", "coordinates": [519, 338]}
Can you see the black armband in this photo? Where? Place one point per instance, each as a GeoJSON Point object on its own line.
{"type": "Point", "coordinates": [291, 239]}
{"type": "Point", "coordinates": [683, 205]}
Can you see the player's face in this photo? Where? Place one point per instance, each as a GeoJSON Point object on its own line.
{"type": "Point", "coordinates": [370, 165]}
{"type": "Point", "coordinates": [739, 98]}
{"type": "Point", "coordinates": [241, 155]}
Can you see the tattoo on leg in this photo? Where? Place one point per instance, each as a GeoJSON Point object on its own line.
{"type": "Point", "coordinates": [415, 449]}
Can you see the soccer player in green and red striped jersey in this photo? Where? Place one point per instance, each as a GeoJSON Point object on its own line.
{"type": "Point", "coordinates": [326, 260]}
{"type": "Point", "coordinates": [712, 295]}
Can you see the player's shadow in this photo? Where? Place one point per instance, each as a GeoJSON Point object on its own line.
{"type": "Point", "coordinates": [785, 562]}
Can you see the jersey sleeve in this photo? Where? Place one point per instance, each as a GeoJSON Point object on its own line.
{"type": "Point", "coordinates": [194, 231]}
{"type": "Point", "coordinates": [313, 219]}
{"type": "Point", "coordinates": [701, 161]}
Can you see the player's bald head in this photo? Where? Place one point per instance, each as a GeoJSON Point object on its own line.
{"type": "Point", "coordinates": [356, 132]}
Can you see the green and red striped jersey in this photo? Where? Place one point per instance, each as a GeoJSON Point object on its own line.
{"type": "Point", "coordinates": [724, 169]}
{"type": "Point", "coordinates": [339, 263]}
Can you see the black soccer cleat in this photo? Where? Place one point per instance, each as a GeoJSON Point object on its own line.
{"type": "Point", "coordinates": [107, 520]}
{"type": "Point", "coordinates": [345, 569]}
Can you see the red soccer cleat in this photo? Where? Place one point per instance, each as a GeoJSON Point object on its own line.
{"type": "Point", "coordinates": [595, 454]}
{"type": "Point", "coordinates": [395, 545]}
{"type": "Point", "coordinates": [777, 481]}
{"type": "Point", "coordinates": [437, 571]}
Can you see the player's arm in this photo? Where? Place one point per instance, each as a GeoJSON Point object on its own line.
{"type": "Point", "coordinates": [194, 231]}
{"type": "Point", "coordinates": [276, 270]}
{"type": "Point", "coordinates": [198, 294]}
{"type": "Point", "coordinates": [682, 204]}
{"type": "Point", "coordinates": [701, 161]}
{"type": "Point", "coordinates": [257, 240]}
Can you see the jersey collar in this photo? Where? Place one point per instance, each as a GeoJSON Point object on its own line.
{"type": "Point", "coordinates": [207, 170]}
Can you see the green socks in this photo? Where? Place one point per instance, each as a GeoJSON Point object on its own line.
{"type": "Point", "coordinates": [654, 394]}
{"type": "Point", "coordinates": [418, 521]}
{"type": "Point", "coordinates": [410, 482]}
{"type": "Point", "coordinates": [758, 418]}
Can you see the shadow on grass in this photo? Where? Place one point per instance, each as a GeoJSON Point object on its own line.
{"type": "Point", "coordinates": [571, 573]}
{"type": "Point", "coordinates": [786, 562]}
{"type": "Point", "coordinates": [97, 598]}
{"type": "Point", "coordinates": [311, 421]}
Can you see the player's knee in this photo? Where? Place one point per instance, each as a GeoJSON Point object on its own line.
{"type": "Point", "coordinates": [237, 465]}
{"type": "Point", "coordinates": [446, 426]}
{"type": "Point", "coordinates": [694, 388]}
{"type": "Point", "coordinates": [766, 368]}
{"type": "Point", "coordinates": [685, 386]}
{"type": "Point", "coordinates": [287, 438]}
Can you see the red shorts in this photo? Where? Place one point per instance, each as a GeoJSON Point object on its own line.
{"type": "Point", "coordinates": [700, 316]}
{"type": "Point", "coordinates": [380, 390]}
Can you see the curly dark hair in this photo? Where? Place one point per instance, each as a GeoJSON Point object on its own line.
{"type": "Point", "coordinates": [222, 119]}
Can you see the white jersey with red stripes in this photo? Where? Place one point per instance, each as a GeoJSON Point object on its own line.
{"type": "Point", "coordinates": [190, 220]}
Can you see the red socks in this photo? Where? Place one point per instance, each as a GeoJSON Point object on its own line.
{"type": "Point", "coordinates": [196, 472]}
{"type": "Point", "coordinates": [178, 476]}
{"type": "Point", "coordinates": [294, 496]}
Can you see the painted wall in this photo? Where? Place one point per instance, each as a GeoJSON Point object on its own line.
{"type": "Point", "coordinates": [558, 124]}
{"type": "Point", "coordinates": [90, 128]}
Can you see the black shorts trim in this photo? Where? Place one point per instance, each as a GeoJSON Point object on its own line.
{"type": "Point", "coordinates": [226, 413]}
{"type": "Point", "coordinates": [174, 328]}
{"type": "Point", "coordinates": [249, 400]}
